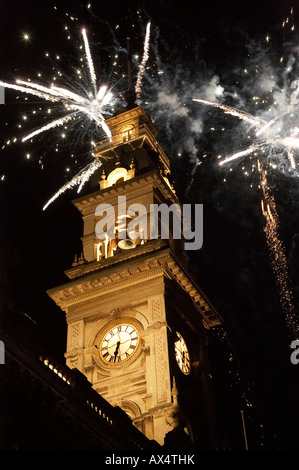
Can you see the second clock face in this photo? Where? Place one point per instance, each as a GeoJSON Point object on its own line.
{"type": "Point", "coordinates": [182, 355]}
{"type": "Point", "coordinates": [119, 344]}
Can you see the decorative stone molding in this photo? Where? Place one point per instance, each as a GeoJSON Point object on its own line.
{"type": "Point", "coordinates": [139, 269]}
{"type": "Point", "coordinates": [156, 309]}
{"type": "Point", "coordinates": [153, 177]}
{"type": "Point", "coordinates": [89, 359]}
{"type": "Point", "coordinates": [160, 368]}
{"type": "Point", "coordinates": [173, 413]}
{"type": "Point", "coordinates": [75, 335]}
{"type": "Point", "coordinates": [72, 360]}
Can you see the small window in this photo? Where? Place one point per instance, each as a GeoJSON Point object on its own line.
{"type": "Point", "coordinates": [117, 176]}
{"type": "Point", "coordinates": [127, 134]}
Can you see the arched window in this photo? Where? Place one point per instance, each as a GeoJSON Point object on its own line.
{"type": "Point", "coordinates": [126, 133]}
{"type": "Point", "coordinates": [116, 176]}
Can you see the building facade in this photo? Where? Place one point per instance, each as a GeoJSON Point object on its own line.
{"type": "Point", "coordinates": [137, 321]}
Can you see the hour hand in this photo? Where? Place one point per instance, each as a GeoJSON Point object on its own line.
{"type": "Point", "coordinates": [116, 350]}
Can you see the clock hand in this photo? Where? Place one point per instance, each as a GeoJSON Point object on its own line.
{"type": "Point", "coordinates": [116, 350]}
{"type": "Point", "coordinates": [126, 341]}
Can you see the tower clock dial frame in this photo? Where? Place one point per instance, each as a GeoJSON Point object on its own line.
{"type": "Point", "coordinates": [182, 355]}
{"type": "Point", "coordinates": [119, 344]}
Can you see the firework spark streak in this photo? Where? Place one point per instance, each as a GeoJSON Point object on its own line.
{"type": "Point", "coordinates": [51, 125]}
{"type": "Point", "coordinates": [144, 61]}
{"type": "Point", "coordinates": [243, 153]}
{"type": "Point", "coordinates": [80, 179]}
{"type": "Point", "coordinates": [89, 61]}
{"type": "Point", "coordinates": [279, 261]}
{"type": "Point", "coordinates": [233, 111]}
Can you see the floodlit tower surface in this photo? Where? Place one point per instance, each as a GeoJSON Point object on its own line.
{"type": "Point", "coordinates": [137, 321]}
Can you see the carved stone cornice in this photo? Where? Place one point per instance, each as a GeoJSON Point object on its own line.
{"type": "Point", "coordinates": [132, 272]}
{"type": "Point", "coordinates": [86, 203]}
{"type": "Point", "coordinates": [88, 268]}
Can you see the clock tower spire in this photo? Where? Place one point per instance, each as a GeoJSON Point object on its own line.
{"type": "Point", "coordinates": [137, 322]}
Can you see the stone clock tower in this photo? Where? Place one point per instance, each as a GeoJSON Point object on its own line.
{"type": "Point", "coordinates": [137, 322]}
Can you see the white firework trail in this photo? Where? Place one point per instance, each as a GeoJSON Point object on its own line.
{"type": "Point", "coordinates": [51, 125]}
{"type": "Point", "coordinates": [269, 137]}
{"type": "Point", "coordinates": [234, 112]}
{"type": "Point", "coordinates": [80, 179]}
{"type": "Point", "coordinates": [243, 153]}
{"type": "Point", "coordinates": [144, 61]}
{"type": "Point", "coordinates": [89, 61]}
{"type": "Point", "coordinates": [35, 90]}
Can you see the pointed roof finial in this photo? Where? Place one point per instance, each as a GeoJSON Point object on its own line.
{"type": "Point", "coordinates": [130, 95]}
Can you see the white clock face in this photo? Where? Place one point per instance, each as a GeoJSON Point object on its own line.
{"type": "Point", "coordinates": [182, 355]}
{"type": "Point", "coordinates": [119, 344]}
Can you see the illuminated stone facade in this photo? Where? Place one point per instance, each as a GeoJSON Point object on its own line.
{"type": "Point", "coordinates": [144, 284]}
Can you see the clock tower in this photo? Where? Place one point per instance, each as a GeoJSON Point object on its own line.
{"type": "Point", "coordinates": [137, 322]}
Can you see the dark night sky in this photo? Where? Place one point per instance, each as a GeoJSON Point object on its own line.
{"type": "Point", "coordinates": [192, 42]}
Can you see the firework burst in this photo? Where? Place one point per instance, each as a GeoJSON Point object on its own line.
{"type": "Point", "coordinates": [92, 102]}
{"type": "Point", "coordinates": [272, 136]}
{"type": "Point", "coordinates": [267, 134]}
{"type": "Point", "coordinates": [273, 127]}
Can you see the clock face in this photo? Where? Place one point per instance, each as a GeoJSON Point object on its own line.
{"type": "Point", "coordinates": [182, 355]}
{"type": "Point", "coordinates": [119, 344]}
